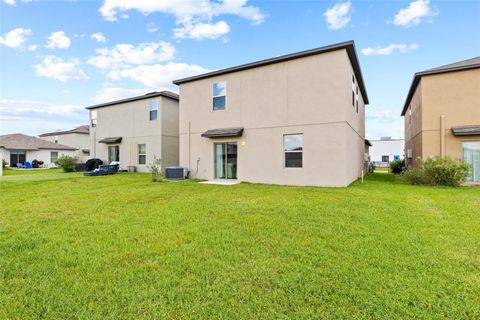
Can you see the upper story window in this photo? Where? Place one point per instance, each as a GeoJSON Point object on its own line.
{"type": "Point", "coordinates": [410, 115]}
{"type": "Point", "coordinates": [93, 118]}
{"type": "Point", "coordinates": [356, 99]}
{"type": "Point", "coordinates": [153, 109]}
{"type": "Point", "coordinates": [219, 95]}
{"type": "Point", "coordinates": [293, 149]}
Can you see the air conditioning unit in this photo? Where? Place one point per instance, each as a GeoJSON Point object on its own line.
{"type": "Point", "coordinates": [176, 173]}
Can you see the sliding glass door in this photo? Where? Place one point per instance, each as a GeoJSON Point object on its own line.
{"type": "Point", "coordinates": [225, 160]}
{"type": "Point", "coordinates": [471, 154]}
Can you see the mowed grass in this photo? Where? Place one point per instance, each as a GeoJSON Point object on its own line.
{"type": "Point", "coordinates": [121, 247]}
{"type": "Point", "coordinates": [16, 172]}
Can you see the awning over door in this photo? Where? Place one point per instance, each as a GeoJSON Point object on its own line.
{"type": "Point", "coordinates": [222, 133]}
{"type": "Point", "coordinates": [111, 140]}
{"type": "Point", "coordinates": [466, 131]}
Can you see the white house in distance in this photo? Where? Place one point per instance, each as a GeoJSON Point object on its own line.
{"type": "Point", "coordinates": [19, 148]}
{"type": "Point", "coordinates": [386, 150]}
{"type": "Point", "coordinates": [136, 130]}
{"type": "Point", "coordinates": [77, 138]}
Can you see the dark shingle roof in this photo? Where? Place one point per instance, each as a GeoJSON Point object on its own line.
{"type": "Point", "coordinates": [456, 66]}
{"type": "Point", "coordinates": [166, 94]}
{"type": "Point", "coordinates": [18, 141]}
{"type": "Point", "coordinates": [85, 129]}
{"type": "Point", "coordinates": [348, 45]}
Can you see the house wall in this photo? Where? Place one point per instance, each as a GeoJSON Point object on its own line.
{"type": "Point", "coordinates": [131, 122]}
{"type": "Point", "coordinates": [454, 95]}
{"type": "Point", "coordinates": [42, 154]}
{"type": "Point", "coordinates": [388, 148]}
{"type": "Point", "coordinates": [310, 95]}
{"type": "Point", "coordinates": [78, 141]}
{"type": "Point", "coordinates": [413, 126]}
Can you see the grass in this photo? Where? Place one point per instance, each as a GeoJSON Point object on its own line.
{"type": "Point", "coordinates": [121, 247]}
{"type": "Point", "coordinates": [16, 172]}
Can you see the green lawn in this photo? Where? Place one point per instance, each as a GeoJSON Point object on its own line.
{"type": "Point", "coordinates": [15, 172]}
{"type": "Point", "coordinates": [121, 247]}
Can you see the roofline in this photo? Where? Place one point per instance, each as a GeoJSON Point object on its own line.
{"type": "Point", "coordinates": [36, 149]}
{"type": "Point", "coordinates": [417, 77]}
{"type": "Point", "coordinates": [348, 45]}
{"type": "Point", "coordinates": [166, 94]}
{"type": "Point", "coordinates": [54, 133]}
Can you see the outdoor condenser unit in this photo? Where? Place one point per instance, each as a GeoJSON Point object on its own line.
{"type": "Point", "coordinates": [176, 173]}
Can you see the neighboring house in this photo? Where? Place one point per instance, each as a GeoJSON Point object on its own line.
{"type": "Point", "coordinates": [386, 150]}
{"type": "Point", "coordinates": [297, 119]}
{"type": "Point", "coordinates": [136, 130]}
{"type": "Point", "coordinates": [442, 114]}
{"type": "Point", "coordinates": [18, 148]}
{"type": "Point", "coordinates": [77, 138]}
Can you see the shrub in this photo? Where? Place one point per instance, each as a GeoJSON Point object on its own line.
{"type": "Point", "coordinates": [397, 166]}
{"type": "Point", "coordinates": [371, 166]}
{"type": "Point", "coordinates": [443, 171]}
{"type": "Point", "coordinates": [155, 169]}
{"type": "Point", "coordinates": [67, 163]}
{"type": "Point", "coordinates": [4, 164]}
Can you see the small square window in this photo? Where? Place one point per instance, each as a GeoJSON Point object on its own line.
{"type": "Point", "coordinates": [219, 95]}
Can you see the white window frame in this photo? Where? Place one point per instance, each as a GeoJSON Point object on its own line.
{"type": "Point", "coordinates": [93, 118]}
{"type": "Point", "coordinates": [141, 154]}
{"type": "Point", "coordinates": [51, 158]}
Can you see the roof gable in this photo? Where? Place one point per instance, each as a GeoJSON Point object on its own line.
{"type": "Point", "coordinates": [18, 141]}
{"type": "Point", "coordinates": [166, 94]}
{"type": "Point", "coordinates": [85, 129]}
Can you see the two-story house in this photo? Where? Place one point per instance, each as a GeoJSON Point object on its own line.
{"type": "Point", "coordinates": [442, 114]}
{"type": "Point", "coordinates": [77, 138]}
{"type": "Point", "coordinates": [297, 119]}
{"type": "Point", "coordinates": [136, 130]}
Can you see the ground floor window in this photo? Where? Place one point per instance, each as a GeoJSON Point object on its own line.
{"type": "Point", "coordinates": [113, 153]}
{"type": "Point", "coordinates": [142, 154]}
{"type": "Point", "coordinates": [385, 158]}
{"type": "Point", "coordinates": [293, 150]}
{"type": "Point", "coordinates": [53, 156]}
{"type": "Point", "coordinates": [471, 155]}
{"type": "Point", "coordinates": [17, 156]}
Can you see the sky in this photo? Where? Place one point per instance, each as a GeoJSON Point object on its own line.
{"type": "Point", "coordinates": [57, 57]}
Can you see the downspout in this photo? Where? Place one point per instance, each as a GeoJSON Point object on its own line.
{"type": "Point", "coordinates": [442, 135]}
{"type": "Point", "coordinates": [188, 144]}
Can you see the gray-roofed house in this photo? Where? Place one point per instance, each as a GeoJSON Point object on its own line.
{"type": "Point", "coordinates": [136, 130]}
{"type": "Point", "coordinates": [442, 114]}
{"type": "Point", "coordinates": [77, 138]}
{"type": "Point", "coordinates": [18, 148]}
{"type": "Point", "coordinates": [297, 119]}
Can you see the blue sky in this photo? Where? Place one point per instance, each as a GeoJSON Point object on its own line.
{"type": "Point", "coordinates": [56, 57]}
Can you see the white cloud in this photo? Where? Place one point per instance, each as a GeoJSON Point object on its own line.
{"type": "Point", "coordinates": [124, 54]}
{"type": "Point", "coordinates": [32, 47]}
{"type": "Point", "coordinates": [115, 93]}
{"type": "Point", "coordinates": [338, 16]}
{"type": "Point", "coordinates": [188, 13]}
{"type": "Point", "coordinates": [60, 69]}
{"type": "Point", "coordinates": [201, 30]}
{"type": "Point", "coordinates": [414, 13]}
{"type": "Point", "coordinates": [14, 2]}
{"type": "Point", "coordinates": [58, 40]}
{"type": "Point", "coordinates": [99, 37]}
{"type": "Point", "coordinates": [388, 50]}
{"type": "Point", "coordinates": [385, 122]}
{"type": "Point", "coordinates": [158, 76]}
{"type": "Point", "coordinates": [15, 38]}
{"type": "Point", "coordinates": [35, 117]}
{"type": "Point", "coordinates": [152, 27]}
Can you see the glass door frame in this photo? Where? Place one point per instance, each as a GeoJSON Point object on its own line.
{"type": "Point", "coordinates": [225, 160]}
{"type": "Point", "coordinates": [473, 169]}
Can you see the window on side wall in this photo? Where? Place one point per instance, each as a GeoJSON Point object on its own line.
{"type": "Point", "coordinates": [410, 115]}
{"type": "Point", "coordinates": [93, 118]}
{"type": "Point", "coordinates": [356, 99]}
{"type": "Point", "coordinates": [385, 159]}
{"type": "Point", "coordinates": [142, 154]}
{"type": "Point", "coordinates": [53, 156]}
{"type": "Point", "coordinates": [293, 150]}
{"type": "Point", "coordinates": [219, 95]}
{"type": "Point", "coordinates": [153, 109]}
{"type": "Point", "coordinates": [353, 91]}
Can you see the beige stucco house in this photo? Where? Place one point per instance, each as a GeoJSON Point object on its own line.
{"type": "Point", "coordinates": [136, 130]}
{"type": "Point", "coordinates": [77, 138]}
{"type": "Point", "coordinates": [297, 119]}
{"type": "Point", "coordinates": [442, 114]}
{"type": "Point", "coordinates": [19, 148]}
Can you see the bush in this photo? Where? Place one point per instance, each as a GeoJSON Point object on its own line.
{"type": "Point", "coordinates": [155, 169]}
{"type": "Point", "coordinates": [371, 166]}
{"type": "Point", "coordinates": [4, 164]}
{"type": "Point", "coordinates": [67, 163]}
{"type": "Point", "coordinates": [397, 166]}
{"type": "Point", "coordinates": [443, 171]}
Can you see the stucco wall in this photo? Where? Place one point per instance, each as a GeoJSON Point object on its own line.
{"type": "Point", "coordinates": [131, 122]}
{"type": "Point", "coordinates": [413, 128]}
{"type": "Point", "coordinates": [388, 148]}
{"type": "Point", "coordinates": [74, 140]}
{"type": "Point", "coordinates": [310, 95]}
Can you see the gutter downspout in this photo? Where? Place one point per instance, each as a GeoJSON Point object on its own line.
{"type": "Point", "coordinates": [442, 135]}
{"type": "Point", "coordinates": [188, 144]}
